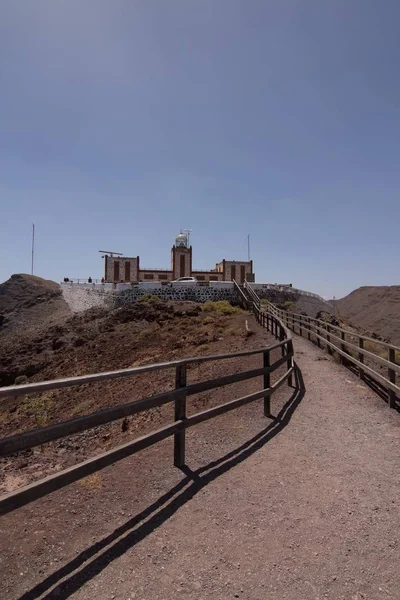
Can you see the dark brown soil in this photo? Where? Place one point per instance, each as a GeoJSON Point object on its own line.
{"type": "Point", "coordinates": [304, 507]}
{"type": "Point", "coordinates": [104, 340]}
{"type": "Point", "coordinates": [375, 309]}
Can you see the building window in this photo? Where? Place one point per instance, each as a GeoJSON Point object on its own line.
{"type": "Point", "coordinates": [149, 275]}
{"type": "Point", "coordinates": [182, 266]}
{"type": "Point", "coordinates": [242, 273]}
{"type": "Point", "coordinates": [233, 272]}
{"type": "Point", "coordinates": [127, 271]}
{"type": "Point", "coordinates": [200, 277]}
{"type": "Point", "coordinates": [116, 270]}
{"type": "Point", "coordinates": [162, 276]}
{"type": "Point", "coordinates": [213, 278]}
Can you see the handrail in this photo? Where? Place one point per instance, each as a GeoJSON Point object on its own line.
{"type": "Point", "coordinates": [55, 384]}
{"type": "Point", "coordinates": [317, 328]}
{"type": "Point", "coordinates": [379, 359]}
{"type": "Point", "coordinates": [177, 428]}
{"type": "Point", "coordinates": [241, 295]}
{"type": "Point", "coordinates": [288, 288]}
{"type": "Point", "coordinates": [252, 293]}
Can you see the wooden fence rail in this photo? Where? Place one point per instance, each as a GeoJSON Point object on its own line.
{"type": "Point", "coordinates": [30, 439]}
{"type": "Point", "coordinates": [335, 339]}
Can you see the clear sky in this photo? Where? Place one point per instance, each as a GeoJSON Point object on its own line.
{"type": "Point", "coordinates": [123, 121]}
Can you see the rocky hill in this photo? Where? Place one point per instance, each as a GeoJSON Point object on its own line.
{"type": "Point", "coordinates": [29, 304]}
{"type": "Point", "coordinates": [375, 309]}
{"type": "Point", "coordinates": [22, 291]}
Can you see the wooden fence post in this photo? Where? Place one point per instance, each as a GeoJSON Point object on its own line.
{"type": "Point", "coordinates": [318, 333]}
{"type": "Point", "coordinates": [309, 328]}
{"type": "Point", "coordinates": [361, 358]}
{"type": "Point", "coordinates": [301, 326]}
{"type": "Point", "coordinates": [180, 415]}
{"type": "Point", "coordinates": [267, 384]}
{"type": "Point", "coordinates": [392, 379]}
{"type": "Point", "coordinates": [290, 363]}
{"type": "Point", "coordinates": [328, 338]}
{"type": "Point", "coordinates": [342, 347]}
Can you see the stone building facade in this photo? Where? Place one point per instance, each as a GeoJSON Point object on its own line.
{"type": "Point", "coordinates": [125, 269]}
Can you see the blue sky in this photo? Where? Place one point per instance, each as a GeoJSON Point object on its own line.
{"type": "Point", "coordinates": [122, 122]}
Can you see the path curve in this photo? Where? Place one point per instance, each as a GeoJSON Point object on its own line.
{"type": "Point", "coordinates": [302, 509]}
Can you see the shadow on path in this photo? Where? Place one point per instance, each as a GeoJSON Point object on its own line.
{"type": "Point", "coordinates": [113, 546]}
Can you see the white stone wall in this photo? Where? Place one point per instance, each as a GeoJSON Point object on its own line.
{"type": "Point", "coordinates": [222, 285]}
{"type": "Point", "coordinates": [205, 276]}
{"type": "Point", "coordinates": [80, 298]}
{"type": "Point", "coordinates": [194, 294]}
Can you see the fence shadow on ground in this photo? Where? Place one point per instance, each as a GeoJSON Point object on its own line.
{"type": "Point", "coordinates": [71, 577]}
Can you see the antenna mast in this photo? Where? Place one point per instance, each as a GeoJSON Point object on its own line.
{"type": "Point", "coordinates": [33, 246]}
{"type": "Point", "coordinates": [188, 232]}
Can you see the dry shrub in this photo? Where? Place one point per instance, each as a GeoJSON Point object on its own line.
{"type": "Point", "coordinates": [92, 482]}
{"type": "Point", "coordinates": [208, 320]}
{"type": "Point", "coordinates": [222, 307]}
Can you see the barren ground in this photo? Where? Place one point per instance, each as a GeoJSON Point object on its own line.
{"type": "Point", "coordinates": [301, 507]}
{"type": "Point", "coordinates": [375, 309]}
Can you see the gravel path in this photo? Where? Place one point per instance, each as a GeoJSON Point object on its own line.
{"type": "Point", "coordinates": [305, 507]}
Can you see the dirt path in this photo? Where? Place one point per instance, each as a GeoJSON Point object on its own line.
{"type": "Point", "coordinates": [304, 507]}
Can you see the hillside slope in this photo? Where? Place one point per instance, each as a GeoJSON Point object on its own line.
{"type": "Point", "coordinates": [23, 290]}
{"type": "Point", "coordinates": [376, 309]}
{"type": "Point", "coordinates": [29, 305]}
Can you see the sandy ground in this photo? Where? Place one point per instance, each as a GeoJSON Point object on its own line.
{"type": "Point", "coordinates": [301, 507]}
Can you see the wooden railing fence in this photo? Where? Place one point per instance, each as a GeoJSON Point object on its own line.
{"type": "Point", "coordinates": [30, 439]}
{"type": "Point", "coordinates": [337, 340]}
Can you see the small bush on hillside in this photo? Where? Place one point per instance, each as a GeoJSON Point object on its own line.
{"type": "Point", "coordinates": [209, 306]}
{"type": "Point", "coordinates": [375, 349]}
{"type": "Point", "coordinates": [222, 306]}
{"type": "Point", "coordinates": [39, 407]}
{"type": "Point", "coordinates": [208, 320]}
{"type": "Point", "coordinates": [288, 304]}
{"type": "Point", "coordinates": [233, 330]}
{"type": "Point", "coordinates": [380, 350]}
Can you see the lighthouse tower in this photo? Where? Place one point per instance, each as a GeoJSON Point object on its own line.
{"type": "Point", "coordinates": [181, 257]}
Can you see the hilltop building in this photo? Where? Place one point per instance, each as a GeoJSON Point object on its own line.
{"type": "Point", "coordinates": [127, 269]}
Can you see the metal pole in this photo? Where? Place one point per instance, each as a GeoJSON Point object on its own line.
{"type": "Point", "coordinates": [188, 232]}
{"type": "Point", "coordinates": [33, 246]}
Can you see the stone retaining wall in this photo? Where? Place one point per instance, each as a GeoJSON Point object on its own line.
{"type": "Point", "coordinates": [81, 298]}
{"type": "Point", "coordinates": [195, 294]}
